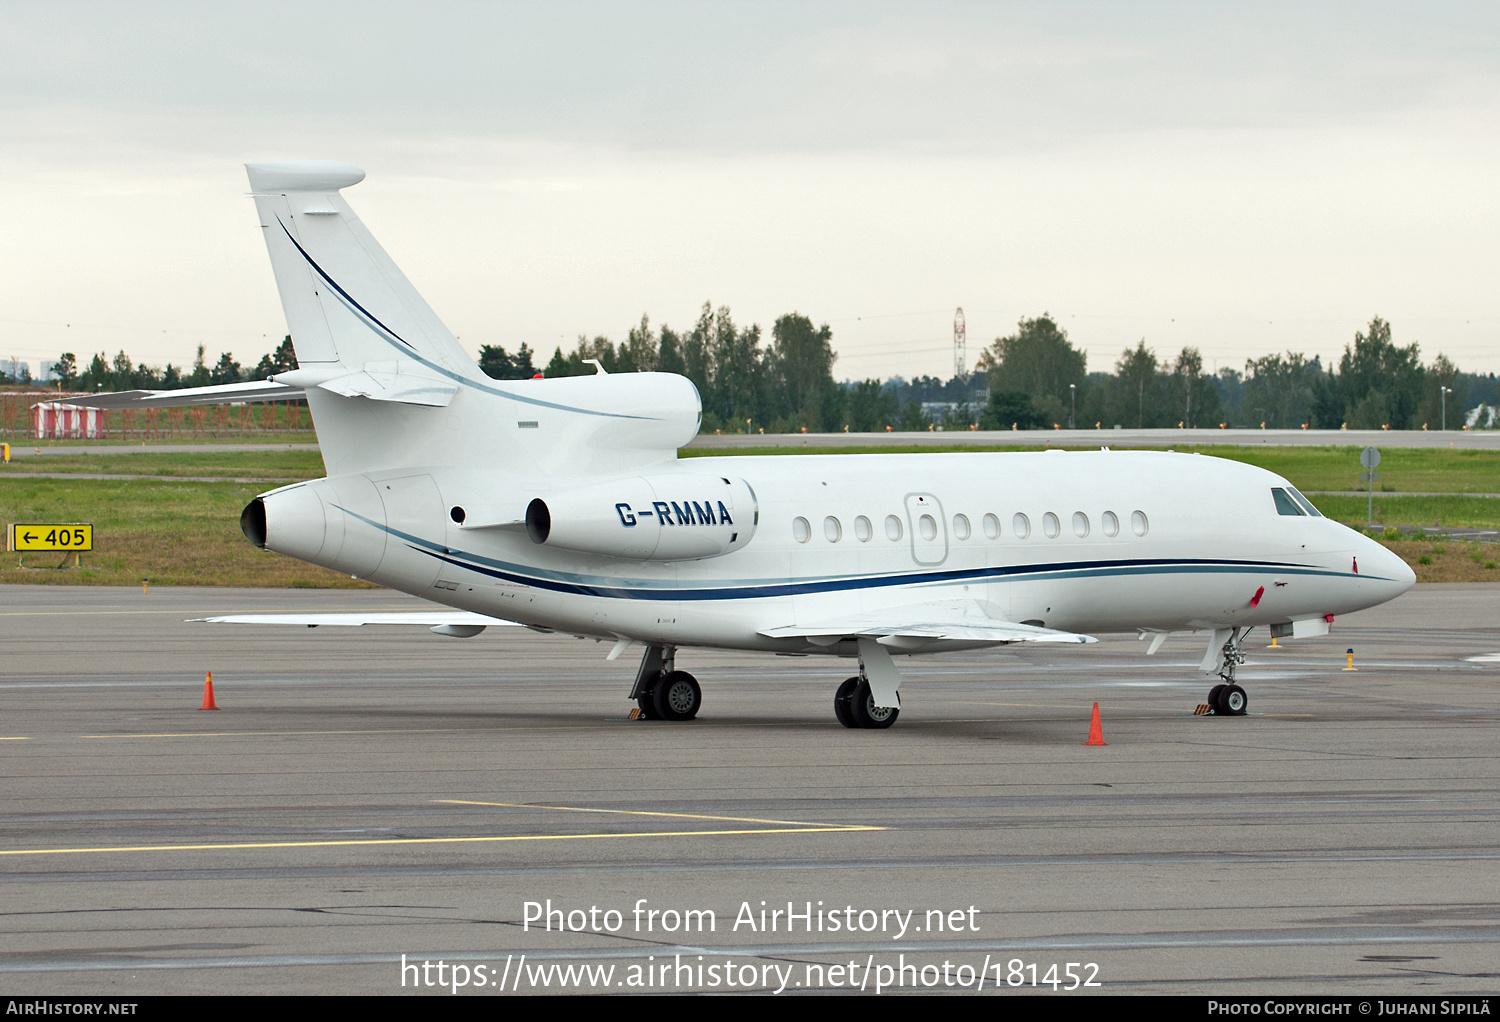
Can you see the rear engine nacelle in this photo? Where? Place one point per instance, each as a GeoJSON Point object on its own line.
{"type": "Point", "coordinates": [338, 523]}
{"type": "Point", "coordinates": [657, 518]}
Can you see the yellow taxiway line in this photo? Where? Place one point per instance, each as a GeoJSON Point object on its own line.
{"type": "Point", "coordinates": [373, 731]}
{"type": "Point", "coordinates": [643, 812]}
{"type": "Point", "coordinates": [784, 827]}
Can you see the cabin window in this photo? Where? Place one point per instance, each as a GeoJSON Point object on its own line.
{"type": "Point", "coordinates": [1138, 523]}
{"type": "Point", "coordinates": [801, 531]}
{"type": "Point", "coordinates": [892, 528]}
{"type": "Point", "coordinates": [832, 529]}
{"type": "Point", "coordinates": [1050, 525]}
{"type": "Point", "coordinates": [961, 526]}
{"type": "Point", "coordinates": [862, 530]}
{"type": "Point", "coordinates": [1306, 504]}
{"type": "Point", "coordinates": [927, 527]}
{"type": "Point", "coordinates": [1111, 524]}
{"type": "Point", "coordinates": [1020, 525]}
{"type": "Point", "coordinates": [1285, 505]}
{"type": "Point", "coordinates": [991, 527]}
{"type": "Point", "coordinates": [1080, 524]}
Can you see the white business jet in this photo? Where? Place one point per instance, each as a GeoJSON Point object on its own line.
{"type": "Point", "coordinates": [561, 505]}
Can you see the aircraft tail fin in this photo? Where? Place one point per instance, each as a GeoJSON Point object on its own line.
{"type": "Point", "coordinates": [390, 387]}
{"type": "Point", "coordinates": [346, 301]}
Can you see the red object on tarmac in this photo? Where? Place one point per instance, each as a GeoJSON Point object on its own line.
{"type": "Point", "coordinates": [208, 692]}
{"type": "Point", "coordinates": [1096, 733]}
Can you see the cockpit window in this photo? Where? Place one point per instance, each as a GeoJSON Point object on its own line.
{"type": "Point", "coordinates": [1306, 504]}
{"type": "Point", "coordinates": [1285, 505]}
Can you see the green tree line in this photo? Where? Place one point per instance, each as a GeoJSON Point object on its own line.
{"type": "Point", "coordinates": [1033, 378]}
{"type": "Point", "coordinates": [122, 373]}
{"type": "Point", "coordinates": [746, 383]}
{"type": "Point", "coordinates": [1037, 379]}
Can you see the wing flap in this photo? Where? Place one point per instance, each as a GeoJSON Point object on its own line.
{"type": "Point", "coordinates": [913, 627]}
{"type": "Point", "coordinates": [223, 394]}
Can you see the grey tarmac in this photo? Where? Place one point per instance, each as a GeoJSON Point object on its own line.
{"type": "Point", "coordinates": [364, 793]}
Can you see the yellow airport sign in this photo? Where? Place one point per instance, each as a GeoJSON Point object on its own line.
{"type": "Point", "coordinates": [73, 537]}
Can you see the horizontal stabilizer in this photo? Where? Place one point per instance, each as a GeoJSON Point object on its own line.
{"type": "Point", "coordinates": [223, 394]}
{"type": "Point", "coordinates": [401, 382]}
{"type": "Point", "coordinates": [906, 629]}
{"type": "Point", "coordinates": [303, 176]}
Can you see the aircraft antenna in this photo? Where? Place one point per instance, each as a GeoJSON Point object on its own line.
{"type": "Point", "coordinates": [960, 359]}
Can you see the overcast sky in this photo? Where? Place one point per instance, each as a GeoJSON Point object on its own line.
{"type": "Point", "coordinates": [1245, 178]}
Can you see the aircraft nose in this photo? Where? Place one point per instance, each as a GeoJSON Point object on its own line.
{"type": "Point", "coordinates": [1377, 561]}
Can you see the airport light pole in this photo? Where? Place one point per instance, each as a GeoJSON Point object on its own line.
{"type": "Point", "coordinates": [1072, 405]}
{"type": "Point", "coordinates": [1446, 391]}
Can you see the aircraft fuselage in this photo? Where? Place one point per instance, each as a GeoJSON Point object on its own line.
{"type": "Point", "coordinates": [1095, 542]}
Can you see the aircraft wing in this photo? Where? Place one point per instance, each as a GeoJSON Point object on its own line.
{"type": "Point", "coordinates": [458, 623]}
{"type": "Point", "coordinates": [907, 629]}
{"type": "Point", "coordinates": [223, 394]}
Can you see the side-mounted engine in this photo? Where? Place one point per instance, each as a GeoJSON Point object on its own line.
{"type": "Point", "coordinates": [659, 518]}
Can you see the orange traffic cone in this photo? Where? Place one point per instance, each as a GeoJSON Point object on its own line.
{"type": "Point", "coordinates": [1096, 733]}
{"type": "Point", "coordinates": [208, 692]}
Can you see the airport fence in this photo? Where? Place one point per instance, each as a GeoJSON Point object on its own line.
{"type": "Point", "coordinates": [19, 418]}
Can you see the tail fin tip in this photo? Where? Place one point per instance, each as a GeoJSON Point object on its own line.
{"type": "Point", "coordinates": [302, 176]}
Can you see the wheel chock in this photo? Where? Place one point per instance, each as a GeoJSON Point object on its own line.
{"type": "Point", "coordinates": [1203, 710]}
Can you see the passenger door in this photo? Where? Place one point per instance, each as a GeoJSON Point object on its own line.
{"type": "Point", "coordinates": [929, 531]}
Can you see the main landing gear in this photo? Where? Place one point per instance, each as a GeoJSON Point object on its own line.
{"type": "Point", "coordinates": [661, 691]}
{"type": "Point", "coordinates": [854, 705]}
{"type": "Point", "coordinates": [858, 702]}
{"type": "Point", "coordinates": [1227, 699]}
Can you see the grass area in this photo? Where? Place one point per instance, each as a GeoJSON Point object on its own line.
{"type": "Point", "coordinates": [1405, 470]}
{"type": "Point", "coordinates": [1402, 469]}
{"type": "Point", "coordinates": [185, 532]}
{"type": "Point", "coordinates": [1448, 561]}
{"type": "Point", "coordinates": [270, 463]}
{"type": "Point", "coordinates": [174, 533]}
{"type": "Point", "coordinates": [306, 436]}
{"type": "Point", "coordinates": [1458, 512]}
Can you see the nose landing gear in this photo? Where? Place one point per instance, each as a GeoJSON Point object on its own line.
{"type": "Point", "coordinates": [1227, 698]}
